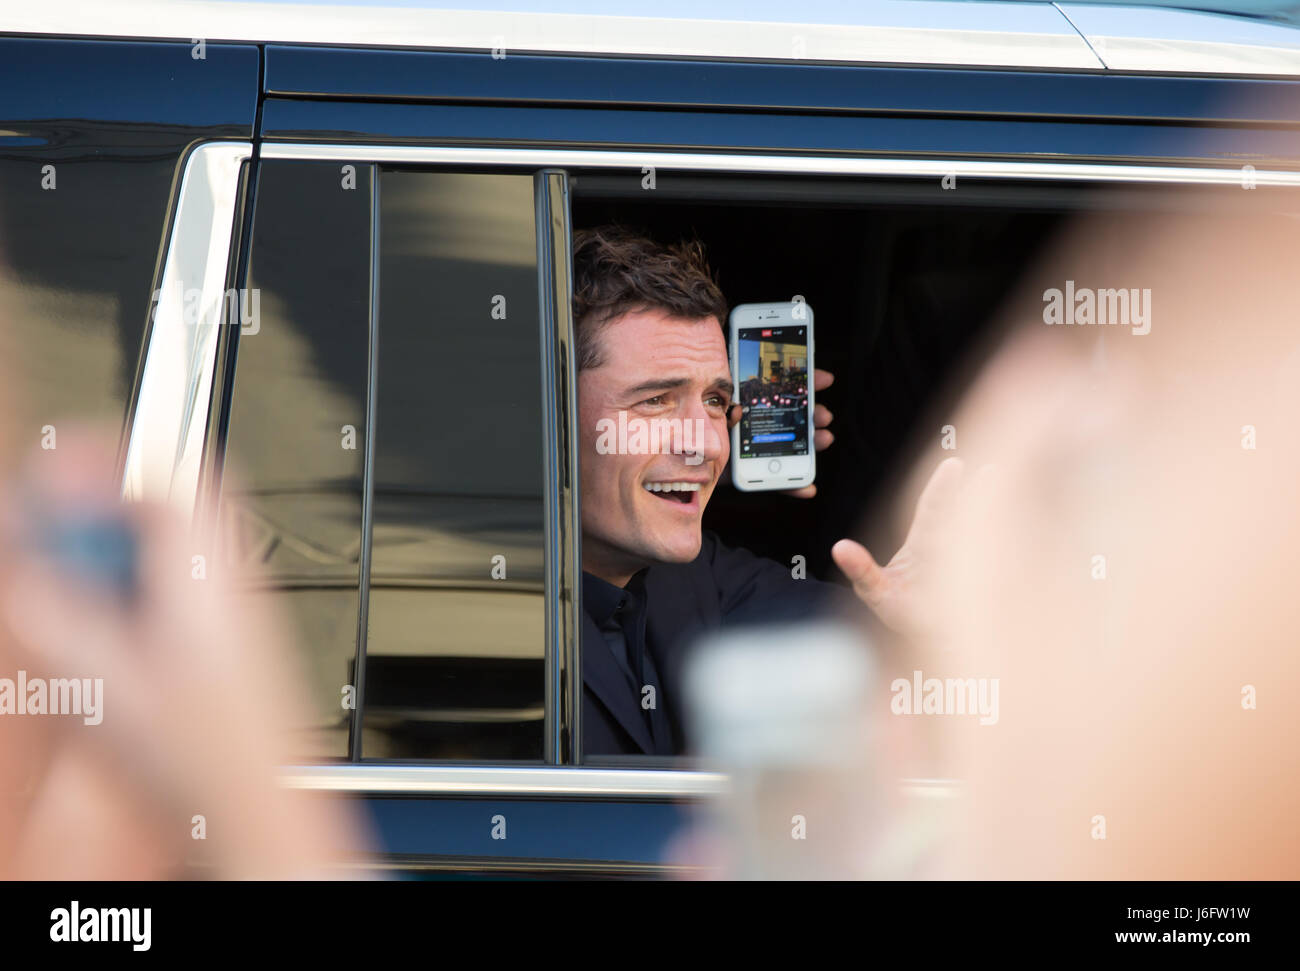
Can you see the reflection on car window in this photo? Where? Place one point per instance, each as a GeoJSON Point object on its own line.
{"type": "Point", "coordinates": [455, 642]}
{"type": "Point", "coordinates": [295, 449]}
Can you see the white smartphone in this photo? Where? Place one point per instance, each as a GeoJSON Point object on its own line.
{"type": "Point", "coordinates": [772, 370]}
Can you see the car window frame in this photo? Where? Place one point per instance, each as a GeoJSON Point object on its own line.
{"type": "Point", "coordinates": [565, 772]}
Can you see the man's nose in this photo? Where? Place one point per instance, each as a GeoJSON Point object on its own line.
{"type": "Point", "coordinates": [702, 437]}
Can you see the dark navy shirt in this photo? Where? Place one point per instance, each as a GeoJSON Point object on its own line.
{"type": "Point", "coordinates": [620, 615]}
{"type": "Point", "coordinates": [639, 636]}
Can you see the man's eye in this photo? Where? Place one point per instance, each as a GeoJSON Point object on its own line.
{"type": "Point", "coordinates": [716, 401]}
{"type": "Point", "coordinates": [656, 400]}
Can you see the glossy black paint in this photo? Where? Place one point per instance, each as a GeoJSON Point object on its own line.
{"type": "Point", "coordinates": [150, 90]}
{"type": "Point", "coordinates": [898, 136]}
{"type": "Point", "coordinates": [578, 833]}
{"type": "Point", "coordinates": [115, 120]}
{"type": "Point", "coordinates": [571, 81]}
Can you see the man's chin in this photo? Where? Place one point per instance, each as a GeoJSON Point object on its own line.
{"type": "Point", "coordinates": [680, 552]}
{"type": "Point", "coordinates": [639, 553]}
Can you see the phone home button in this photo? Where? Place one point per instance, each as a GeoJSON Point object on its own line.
{"type": "Point", "coordinates": [774, 466]}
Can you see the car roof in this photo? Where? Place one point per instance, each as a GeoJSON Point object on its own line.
{"type": "Point", "coordinates": [937, 32]}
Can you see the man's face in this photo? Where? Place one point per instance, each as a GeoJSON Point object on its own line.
{"type": "Point", "coordinates": [641, 507]}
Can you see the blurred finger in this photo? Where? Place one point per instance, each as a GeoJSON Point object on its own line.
{"type": "Point", "coordinates": [858, 565]}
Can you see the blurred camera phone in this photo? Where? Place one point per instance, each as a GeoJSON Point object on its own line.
{"type": "Point", "coordinates": [98, 548]}
{"type": "Point", "coordinates": [772, 368]}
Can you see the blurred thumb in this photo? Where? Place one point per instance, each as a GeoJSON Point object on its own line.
{"type": "Point", "coordinates": [858, 565]}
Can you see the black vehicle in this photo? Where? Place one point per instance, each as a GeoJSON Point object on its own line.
{"type": "Point", "coordinates": [328, 247]}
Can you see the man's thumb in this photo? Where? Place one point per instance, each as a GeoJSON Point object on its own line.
{"type": "Point", "coordinates": [858, 565]}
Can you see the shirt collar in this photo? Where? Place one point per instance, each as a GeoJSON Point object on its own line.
{"type": "Point", "coordinates": [600, 598]}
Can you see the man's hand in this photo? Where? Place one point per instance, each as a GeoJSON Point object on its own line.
{"type": "Point", "coordinates": [901, 593]}
{"type": "Point", "coordinates": [822, 436]}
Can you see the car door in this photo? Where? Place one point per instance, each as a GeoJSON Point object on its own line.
{"type": "Point", "coordinates": [392, 421]}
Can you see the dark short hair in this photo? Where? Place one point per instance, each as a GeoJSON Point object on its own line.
{"type": "Point", "coordinates": [617, 271]}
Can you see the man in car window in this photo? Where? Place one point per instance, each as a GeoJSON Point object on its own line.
{"type": "Point", "coordinates": [651, 347]}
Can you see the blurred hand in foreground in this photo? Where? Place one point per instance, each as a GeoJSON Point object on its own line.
{"type": "Point", "coordinates": [197, 700]}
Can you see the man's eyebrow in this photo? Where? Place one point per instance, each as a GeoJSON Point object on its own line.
{"type": "Point", "coordinates": [722, 383]}
{"type": "Point", "coordinates": [671, 384]}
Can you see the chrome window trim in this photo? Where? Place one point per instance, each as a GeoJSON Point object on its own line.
{"type": "Point", "coordinates": [563, 550]}
{"type": "Point", "coordinates": [776, 164]}
{"type": "Point", "coordinates": [528, 781]}
{"type": "Point", "coordinates": [367, 476]}
{"type": "Point", "coordinates": [472, 780]}
{"type": "Point", "coordinates": [165, 449]}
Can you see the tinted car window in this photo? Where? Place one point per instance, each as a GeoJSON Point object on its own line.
{"type": "Point", "coordinates": [455, 642]}
{"type": "Point", "coordinates": [296, 441]}
{"type": "Point", "coordinates": [452, 625]}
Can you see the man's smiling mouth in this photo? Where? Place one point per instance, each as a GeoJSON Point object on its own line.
{"type": "Point", "coordinates": [678, 491]}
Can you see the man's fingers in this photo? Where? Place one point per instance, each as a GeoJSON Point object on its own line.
{"type": "Point", "coordinates": [858, 565]}
{"type": "Point", "coordinates": [822, 439]}
{"type": "Point", "coordinates": [822, 379]}
{"type": "Point", "coordinates": [821, 416]}
{"type": "Point", "coordinates": [733, 415]}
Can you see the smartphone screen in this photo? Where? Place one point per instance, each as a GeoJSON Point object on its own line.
{"type": "Point", "coordinates": [773, 379]}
